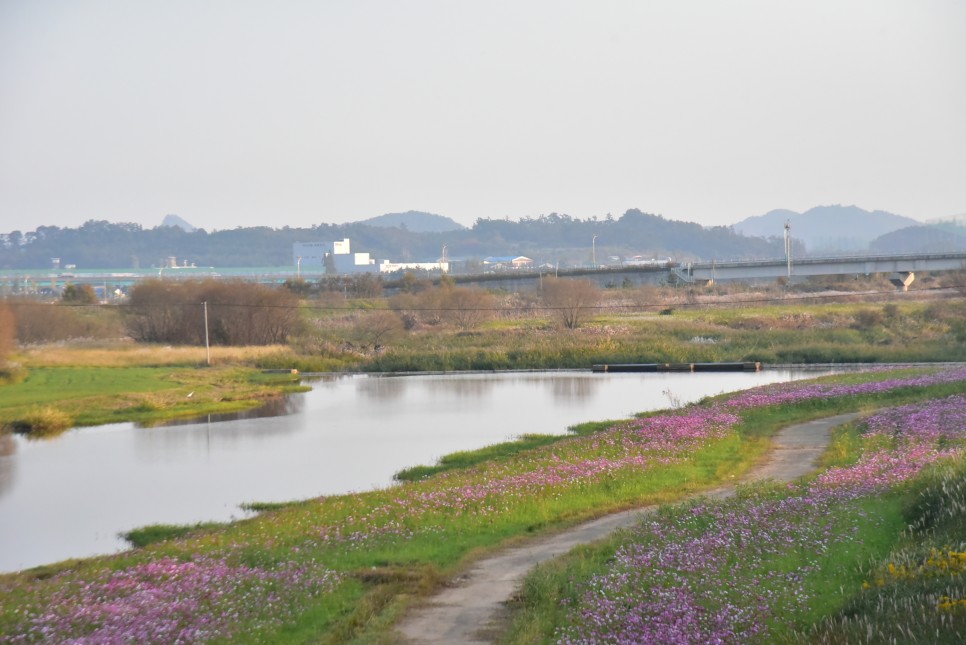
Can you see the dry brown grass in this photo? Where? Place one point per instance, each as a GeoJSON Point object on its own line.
{"type": "Point", "coordinates": [127, 355]}
{"type": "Point", "coordinates": [45, 421]}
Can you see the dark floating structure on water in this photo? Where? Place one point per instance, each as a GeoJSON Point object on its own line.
{"type": "Point", "coordinates": [678, 367]}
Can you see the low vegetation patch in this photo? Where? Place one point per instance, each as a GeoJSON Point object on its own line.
{"type": "Point", "coordinates": [918, 590]}
{"type": "Point", "coordinates": [43, 421]}
{"type": "Point", "coordinates": [146, 535]}
{"type": "Point", "coordinates": [342, 568]}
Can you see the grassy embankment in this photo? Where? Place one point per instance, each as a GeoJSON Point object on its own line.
{"type": "Point", "coordinates": [62, 387]}
{"type": "Point", "coordinates": [871, 550]}
{"type": "Point", "coordinates": [344, 568]}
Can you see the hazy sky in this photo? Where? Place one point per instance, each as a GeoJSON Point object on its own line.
{"type": "Point", "coordinates": [292, 113]}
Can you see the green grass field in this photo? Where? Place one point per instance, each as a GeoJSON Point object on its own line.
{"type": "Point", "coordinates": [97, 395]}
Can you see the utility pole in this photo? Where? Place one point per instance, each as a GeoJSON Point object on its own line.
{"type": "Point", "coordinates": [788, 249]}
{"type": "Point", "coordinates": [593, 247]}
{"type": "Point", "coordinates": [207, 347]}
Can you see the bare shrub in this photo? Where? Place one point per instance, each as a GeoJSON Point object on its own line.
{"type": "Point", "coordinates": [299, 287]}
{"type": "Point", "coordinates": [247, 314]}
{"type": "Point", "coordinates": [155, 313]}
{"type": "Point", "coordinates": [467, 307]}
{"type": "Point", "coordinates": [646, 295]}
{"type": "Point", "coordinates": [78, 294]}
{"type": "Point", "coordinates": [866, 319]}
{"type": "Point", "coordinates": [572, 301]}
{"type": "Point", "coordinates": [410, 283]}
{"type": "Point", "coordinates": [424, 307]}
{"type": "Point", "coordinates": [429, 304]}
{"type": "Point", "coordinates": [44, 322]}
{"type": "Point", "coordinates": [366, 285]}
{"type": "Point", "coordinates": [372, 330]}
{"type": "Point", "coordinates": [7, 332]}
{"type": "Point", "coordinates": [406, 305]}
{"type": "Point", "coordinates": [955, 280]}
{"type": "Point", "coordinates": [239, 313]}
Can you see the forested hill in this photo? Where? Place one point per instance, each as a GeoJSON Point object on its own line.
{"type": "Point", "coordinates": [550, 238]}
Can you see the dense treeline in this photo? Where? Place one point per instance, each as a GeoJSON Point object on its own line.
{"type": "Point", "coordinates": [550, 238]}
{"type": "Point", "coordinates": [238, 313]}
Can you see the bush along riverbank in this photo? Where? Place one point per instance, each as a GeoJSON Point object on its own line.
{"type": "Point", "coordinates": [870, 550]}
{"type": "Point", "coordinates": [344, 568]}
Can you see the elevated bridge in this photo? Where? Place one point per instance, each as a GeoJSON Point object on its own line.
{"type": "Point", "coordinates": [902, 268]}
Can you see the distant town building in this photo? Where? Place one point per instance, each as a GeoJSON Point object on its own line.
{"type": "Point", "coordinates": [389, 267]}
{"type": "Point", "coordinates": [335, 256]}
{"type": "Point", "coordinates": [506, 262]}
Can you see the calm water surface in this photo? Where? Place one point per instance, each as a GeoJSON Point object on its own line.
{"type": "Point", "coordinates": [71, 496]}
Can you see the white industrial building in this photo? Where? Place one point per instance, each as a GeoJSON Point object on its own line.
{"type": "Point", "coordinates": [337, 257]}
{"type": "Point", "coordinates": [340, 257]}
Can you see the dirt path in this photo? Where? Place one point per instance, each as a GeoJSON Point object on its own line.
{"type": "Point", "coordinates": [471, 610]}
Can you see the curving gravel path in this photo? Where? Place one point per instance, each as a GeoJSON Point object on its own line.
{"type": "Point", "coordinates": [471, 610]}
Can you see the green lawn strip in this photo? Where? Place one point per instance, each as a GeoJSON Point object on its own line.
{"type": "Point", "coordinates": [86, 396]}
{"type": "Point", "coordinates": [497, 452]}
{"type": "Point", "coordinates": [45, 385]}
{"type": "Point", "coordinates": [154, 533]}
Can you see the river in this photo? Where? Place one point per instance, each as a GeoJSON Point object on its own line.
{"type": "Point", "coordinates": [70, 496]}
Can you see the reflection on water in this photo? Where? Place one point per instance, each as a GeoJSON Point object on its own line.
{"type": "Point", "coordinates": [575, 389]}
{"type": "Point", "coordinates": [7, 463]}
{"type": "Point", "coordinates": [469, 385]}
{"type": "Point", "coordinates": [274, 407]}
{"type": "Point", "coordinates": [567, 385]}
{"type": "Point", "coordinates": [156, 441]}
{"type": "Point", "coordinates": [383, 388]}
{"type": "Point", "coordinates": [71, 496]}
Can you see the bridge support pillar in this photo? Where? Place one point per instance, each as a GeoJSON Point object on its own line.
{"type": "Point", "coordinates": [902, 279]}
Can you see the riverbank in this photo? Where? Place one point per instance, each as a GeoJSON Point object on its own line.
{"type": "Point", "coordinates": [346, 567]}
{"type": "Point", "coordinates": [60, 387]}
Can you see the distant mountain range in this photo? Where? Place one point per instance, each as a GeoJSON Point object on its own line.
{"type": "Point", "coordinates": [413, 221]}
{"type": "Point", "coordinates": [174, 220]}
{"type": "Point", "coordinates": [921, 239]}
{"type": "Point", "coordinates": [554, 239]}
{"type": "Point", "coordinates": [826, 229]}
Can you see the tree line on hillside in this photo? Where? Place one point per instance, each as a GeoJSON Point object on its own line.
{"type": "Point", "coordinates": [553, 238]}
